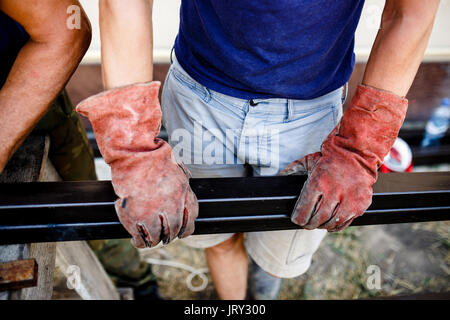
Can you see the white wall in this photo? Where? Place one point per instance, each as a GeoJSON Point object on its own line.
{"type": "Point", "coordinates": [166, 20]}
{"type": "Point", "coordinates": [438, 47]}
{"type": "Point", "coordinates": [165, 29]}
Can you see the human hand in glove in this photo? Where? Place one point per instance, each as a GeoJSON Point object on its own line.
{"type": "Point", "coordinates": [341, 176]}
{"type": "Point", "coordinates": [155, 200]}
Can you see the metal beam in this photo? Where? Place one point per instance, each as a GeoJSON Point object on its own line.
{"type": "Point", "coordinates": [414, 136]}
{"type": "Point", "coordinates": [431, 155]}
{"type": "Point", "coordinates": [64, 211]}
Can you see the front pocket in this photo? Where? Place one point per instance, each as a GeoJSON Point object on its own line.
{"type": "Point", "coordinates": [182, 79]}
{"type": "Point", "coordinates": [323, 116]}
{"type": "Point", "coordinates": [187, 84]}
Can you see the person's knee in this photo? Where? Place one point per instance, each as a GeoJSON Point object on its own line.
{"type": "Point", "coordinates": [233, 244]}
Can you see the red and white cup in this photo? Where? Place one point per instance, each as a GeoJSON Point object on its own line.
{"type": "Point", "coordinates": [399, 159]}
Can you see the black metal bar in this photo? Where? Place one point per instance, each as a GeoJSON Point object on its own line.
{"type": "Point", "coordinates": [431, 155]}
{"type": "Point", "coordinates": [65, 211]}
{"type": "Point", "coordinates": [414, 136]}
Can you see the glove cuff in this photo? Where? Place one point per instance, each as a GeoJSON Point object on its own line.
{"type": "Point", "coordinates": [368, 128]}
{"type": "Point", "coordinates": [370, 97]}
{"type": "Point", "coordinates": [125, 119]}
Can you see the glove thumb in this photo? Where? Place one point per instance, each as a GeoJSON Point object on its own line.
{"type": "Point", "coordinates": [302, 166]}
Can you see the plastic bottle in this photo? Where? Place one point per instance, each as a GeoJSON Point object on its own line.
{"type": "Point", "coordinates": [437, 125]}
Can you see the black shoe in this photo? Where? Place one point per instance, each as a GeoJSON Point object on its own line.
{"type": "Point", "coordinates": [147, 291]}
{"type": "Point", "coordinates": [262, 286]}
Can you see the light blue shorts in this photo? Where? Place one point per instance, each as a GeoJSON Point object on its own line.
{"type": "Point", "coordinates": [216, 135]}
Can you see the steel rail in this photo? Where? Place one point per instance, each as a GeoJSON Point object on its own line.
{"type": "Point", "coordinates": [66, 211]}
{"type": "Point", "coordinates": [414, 136]}
{"type": "Point", "coordinates": [431, 155]}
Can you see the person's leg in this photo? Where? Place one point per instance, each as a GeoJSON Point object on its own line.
{"type": "Point", "coordinates": [125, 267]}
{"type": "Point", "coordinates": [292, 129]}
{"type": "Point", "coordinates": [197, 121]}
{"type": "Point", "coordinates": [226, 258]}
{"type": "Point", "coordinates": [262, 285]}
{"type": "Point", "coordinates": [225, 253]}
{"type": "Point", "coordinates": [228, 264]}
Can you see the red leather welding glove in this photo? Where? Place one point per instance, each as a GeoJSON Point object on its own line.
{"type": "Point", "coordinates": [155, 200]}
{"type": "Point", "coordinates": [340, 177]}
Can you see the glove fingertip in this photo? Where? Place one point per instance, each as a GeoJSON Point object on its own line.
{"type": "Point", "coordinates": [81, 109]}
{"type": "Point", "coordinates": [185, 230]}
{"type": "Point", "coordinates": [302, 210]}
{"type": "Point", "coordinates": [191, 203]}
{"type": "Point", "coordinates": [185, 170]}
{"type": "Point", "coordinates": [84, 106]}
{"type": "Point", "coordinates": [144, 235]}
{"type": "Point", "coordinates": [297, 217]}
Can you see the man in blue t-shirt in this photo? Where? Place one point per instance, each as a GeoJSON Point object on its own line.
{"type": "Point", "coordinates": [259, 85]}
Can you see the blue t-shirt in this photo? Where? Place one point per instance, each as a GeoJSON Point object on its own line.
{"type": "Point", "coordinates": [12, 38]}
{"type": "Point", "coordinates": [297, 49]}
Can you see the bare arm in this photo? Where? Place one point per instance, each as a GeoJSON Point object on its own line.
{"type": "Point", "coordinates": [126, 31]}
{"type": "Point", "coordinates": [400, 44]}
{"type": "Point", "coordinates": [41, 69]}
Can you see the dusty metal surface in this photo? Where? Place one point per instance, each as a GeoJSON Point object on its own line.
{"type": "Point", "coordinates": [18, 274]}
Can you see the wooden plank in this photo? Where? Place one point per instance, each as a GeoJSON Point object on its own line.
{"type": "Point", "coordinates": [44, 253]}
{"type": "Point", "coordinates": [84, 271]}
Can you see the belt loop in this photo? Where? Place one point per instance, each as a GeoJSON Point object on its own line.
{"type": "Point", "coordinates": [344, 93]}
{"type": "Point", "coordinates": [207, 97]}
{"type": "Point", "coordinates": [290, 109]}
{"type": "Point", "coordinates": [171, 54]}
